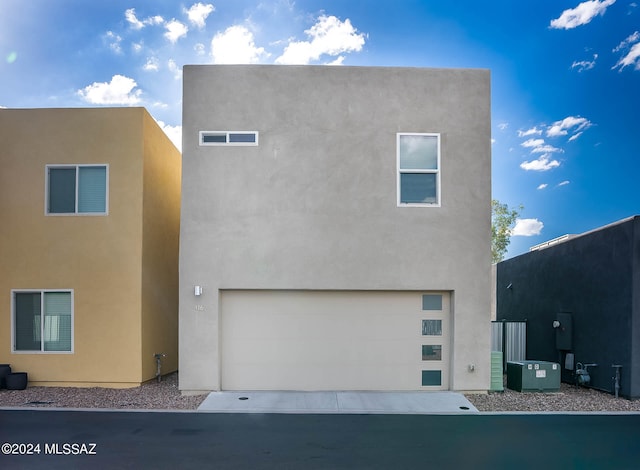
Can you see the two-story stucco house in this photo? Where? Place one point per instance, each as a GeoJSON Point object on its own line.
{"type": "Point", "coordinates": [335, 229]}
{"type": "Point", "coordinates": [90, 213]}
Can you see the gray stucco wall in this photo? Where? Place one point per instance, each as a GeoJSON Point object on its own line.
{"type": "Point", "coordinates": [595, 277]}
{"type": "Point", "coordinates": [313, 206]}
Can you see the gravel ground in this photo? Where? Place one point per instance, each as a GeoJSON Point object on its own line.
{"type": "Point", "coordinates": [152, 395]}
{"type": "Point", "coordinates": [569, 398]}
{"type": "Point", "coordinates": [165, 395]}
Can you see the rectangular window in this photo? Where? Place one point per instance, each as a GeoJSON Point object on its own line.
{"type": "Point", "coordinates": [432, 302]}
{"type": "Point", "coordinates": [77, 189]}
{"type": "Point", "coordinates": [431, 377]}
{"type": "Point", "coordinates": [431, 327]}
{"type": "Point", "coordinates": [229, 138]}
{"type": "Point", "coordinates": [42, 321]}
{"type": "Point", "coordinates": [418, 157]}
{"type": "Point", "coordinates": [432, 352]}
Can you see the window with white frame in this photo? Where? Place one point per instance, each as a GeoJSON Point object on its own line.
{"type": "Point", "coordinates": [229, 138]}
{"type": "Point", "coordinates": [42, 321]}
{"type": "Point", "coordinates": [418, 157]}
{"type": "Point", "coordinates": [77, 189]}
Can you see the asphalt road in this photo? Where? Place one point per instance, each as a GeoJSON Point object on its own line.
{"type": "Point", "coordinates": [158, 440]}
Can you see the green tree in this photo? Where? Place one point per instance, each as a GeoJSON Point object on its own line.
{"type": "Point", "coordinates": [502, 220]}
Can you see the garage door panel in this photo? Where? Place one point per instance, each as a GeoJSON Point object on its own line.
{"type": "Point", "coordinates": [292, 340]}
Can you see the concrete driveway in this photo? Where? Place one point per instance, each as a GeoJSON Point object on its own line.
{"type": "Point", "coordinates": [338, 402]}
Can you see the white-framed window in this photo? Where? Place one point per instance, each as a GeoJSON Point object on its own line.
{"type": "Point", "coordinates": [418, 160]}
{"type": "Point", "coordinates": [42, 321]}
{"type": "Point", "coordinates": [77, 189]}
{"type": "Point", "coordinates": [237, 138]}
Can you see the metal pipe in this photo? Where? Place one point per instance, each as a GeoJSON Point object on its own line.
{"type": "Point", "coordinates": [159, 357]}
{"type": "Point", "coordinates": [616, 385]}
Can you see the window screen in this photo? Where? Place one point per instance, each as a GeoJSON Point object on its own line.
{"type": "Point", "coordinates": [42, 321]}
{"type": "Point", "coordinates": [77, 189]}
{"type": "Point", "coordinates": [418, 169]}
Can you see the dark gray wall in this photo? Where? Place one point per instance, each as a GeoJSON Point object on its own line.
{"type": "Point", "coordinates": [592, 276]}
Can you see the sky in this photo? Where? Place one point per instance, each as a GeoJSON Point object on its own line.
{"type": "Point", "coordinates": [565, 76]}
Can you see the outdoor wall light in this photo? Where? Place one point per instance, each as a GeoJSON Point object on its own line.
{"type": "Point", "coordinates": [198, 290]}
{"type": "Point", "coordinates": [556, 324]}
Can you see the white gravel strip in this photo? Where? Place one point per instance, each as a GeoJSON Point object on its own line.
{"type": "Point", "coordinates": [570, 398]}
{"type": "Point", "coordinates": [153, 395]}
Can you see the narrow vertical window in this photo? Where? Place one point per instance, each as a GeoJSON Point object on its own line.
{"type": "Point", "coordinates": [62, 190]}
{"type": "Point", "coordinates": [418, 157]}
{"type": "Point", "coordinates": [92, 189]}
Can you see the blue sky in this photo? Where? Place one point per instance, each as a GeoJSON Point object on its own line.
{"type": "Point", "coordinates": [565, 76]}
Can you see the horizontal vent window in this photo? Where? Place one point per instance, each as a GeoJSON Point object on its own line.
{"type": "Point", "coordinates": [228, 138]}
{"type": "Point", "coordinates": [214, 138]}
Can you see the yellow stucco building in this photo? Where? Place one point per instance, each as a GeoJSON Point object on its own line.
{"type": "Point", "coordinates": [89, 237]}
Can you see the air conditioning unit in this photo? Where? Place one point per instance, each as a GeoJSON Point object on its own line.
{"type": "Point", "coordinates": [533, 376]}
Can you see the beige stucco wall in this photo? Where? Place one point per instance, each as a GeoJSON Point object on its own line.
{"type": "Point", "coordinates": [99, 257]}
{"type": "Point", "coordinates": [160, 244]}
{"type": "Point", "coordinates": [313, 206]}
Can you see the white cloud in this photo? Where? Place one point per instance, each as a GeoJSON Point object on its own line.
{"type": "Point", "coordinates": [119, 91]}
{"type": "Point", "coordinates": [173, 132]}
{"type": "Point", "coordinates": [130, 16]}
{"type": "Point", "coordinates": [528, 132]}
{"type": "Point", "coordinates": [532, 143]}
{"type": "Point", "coordinates": [173, 67]}
{"type": "Point", "coordinates": [152, 65]}
{"type": "Point", "coordinates": [582, 14]}
{"type": "Point", "coordinates": [175, 30]}
{"type": "Point", "coordinates": [564, 183]}
{"type": "Point", "coordinates": [503, 126]}
{"type": "Point", "coordinates": [585, 64]}
{"type": "Point", "coordinates": [154, 20]}
{"type": "Point", "coordinates": [539, 146]}
{"type": "Point", "coordinates": [114, 41]}
{"type": "Point", "coordinates": [329, 36]}
{"type": "Point", "coordinates": [560, 128]}
{"type": "Point", "coordinates": [575, 136]}
{"type": "Point", "coordinates": [137, 47]}
{"type": "Point", "coordinates": [527, 228]}
{"type": "Point", "coordinates": [235, 46]}
{"type": "Point", "coordinates": [632, 57]}
{"type": "Point", "coordinates": [198, 13]}
{"type": "Point", "coordinates": [543, 163]}
{"type": "Point", "coordinates": [631, 39]}
{"type": "Point", "coordinates": [199, 49]}
{"type": "Point", "coordinates": [542, 186]}
{"type": "Point", "coordinates": [547, 149]}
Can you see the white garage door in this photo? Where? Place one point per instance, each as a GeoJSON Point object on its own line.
{"type": "Point", "coordinates": [334, 340]}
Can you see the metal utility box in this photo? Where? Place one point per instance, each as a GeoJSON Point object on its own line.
{"type": "Point", "coordinates": [533, 376]}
